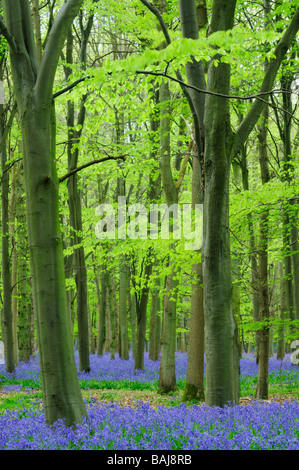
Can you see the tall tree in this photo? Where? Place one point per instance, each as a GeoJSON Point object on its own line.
{"type": "Point", "coordinates": [33, 86]}
{"type": "Point", "coordinates": [264, 313]}
{"type": "Point", "coordinates": [74, 134]}
{"type": "Point", "coordinates": [7, 314]}
{"type": "Point", "coordinates": [221, 380]}
{"type": "Point", "coordinates": [141, 296]}
{"type": "Point", "coordinates": [192, 19]}
{"type": "Point", "coordinates": [167, 378]}
{"type": "Point", "coordinates": [221, 146]}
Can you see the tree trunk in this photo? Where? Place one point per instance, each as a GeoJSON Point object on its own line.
{"type": "Point", "coordinates": [167, 377]}
{"type": "Point", "coordinates": [280, 353]}
{"type": "Point", "coordinates": [154, 335]}
{"type": "Point", "coordinates": [74, 201]}
{"type": "Point", "coordinates": [222, 371]}
{"type": "Point", "coordinates": [123, 320]}
{"type": "Point", "coordinates": [264, 312]}
{"type": "Point", "coordinates": [141, 308]}
{"type": "Point", "coordinates": [154, 195]}
{"type": "Point", "coordinates": [193, 18]}
{"type": "Point", "coordinates": [132, 314]}
{"type": "Point", "coordinates": [295, 261]}
{"type": "Point", "coordinates": [102, 314]}
{"type": "Point", "coordinates": [194, 389]}
{"type": "Point", "coordinates": [113, 315]}
{"type": "Point", "coordinates": [25, 313]}
{"type": "Point", "coordinates": [14, 259]}
{"type": "Point", "coordinates": [7, 314]}
{"type": "Point", "coordinates": [33, 87]}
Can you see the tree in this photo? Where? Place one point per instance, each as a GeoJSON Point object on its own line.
{"type": "Point", "coordinates": [221, 146]}
{"type": "Point", "coordinates": [190, 23]}
{"type": "Point", "coordinates": [7, 315]}
{"type": "Point", "coordinates": [74, 196]}
{"type": "Point", "coordinates": [33, 86]}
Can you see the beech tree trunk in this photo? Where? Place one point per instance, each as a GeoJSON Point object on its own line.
{"type": "Point", "coordinates": [155, 328]}
{"type": "Point", "coordinates": [264, 312]}
{"type": "Point", "coordinates": [102, 314]}
{"type": "Point", "coordinates": [193, 17]}
{"type": "Point", "coordinates": [7, 314]}
{"type": "Point", "coordinates": [167, 377]}
{"type": "Point", "coordinates": [113, 315]}
{"type": "Point", "coordinates": [33, 86]}
{"type": "Point", "coordinates": [222, 372]}
{"type": "Point", "coordinates": [282, 314]}
{"type": "Point", "coordinates": [74, 202]}
{"type": "Point", "coordinates": [141, 310]}
{"type": "Point", "coordinates": [25, 312]}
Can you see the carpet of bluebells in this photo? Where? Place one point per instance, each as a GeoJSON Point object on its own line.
{"type": "Point", "coordinates": [258, 425]}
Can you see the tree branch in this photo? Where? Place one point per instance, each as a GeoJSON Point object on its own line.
{"type": "Point", "coordinates": [257, 96]}
{"type": "Point", "coordinates": [158, 15]}
{"type": "Point", "coordinates": [93, 162]}
{"type": "Point", "coordinates": [54, 45]}
{"type": "Point", "coordinates": [9, 38]}
{"type": "Point", "coordinates": [274, 63]}
{"type": "Point", "coordinates": [69, 87]}
{"type": "Point", "coordinates": [207, 92]}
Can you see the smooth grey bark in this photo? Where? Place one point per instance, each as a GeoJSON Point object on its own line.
{"type": "Point", "coordinates": [25, 313]}
{"type": "Point", "coordinates": [14, 257]}
{"type": "Point", "coordinates": [155, 321]}
{"type": "Point", "coordinates": [274, 302]}
{"type": "Point", "coordinates": [154, 195]}
{"type": "Point", "coordinates": [123, 320]}
{"type": "Point", "coordinates": [74, 200]}
{"type": "Point", "coordinates": [252, 246]}
{"type": "Point", "coordinates": [102, 332]}
{"type": "Point", "coordinates": [33, 85]}
{"type": "Point", "coordinates": [7, 313]}
{"type": "Point", "coordinates": [141, 310]}
{"type": "Point", "coordinates": [264, 303]}
{"type": "Point", "coordinates": [123, 267]}
{"type": "Point", "coordinates": [295, 260]}
{"type": "Point", "coordinates": [123, 293]}
{"type": "Point", "coordinates": [192, 18]}
{"type": "Point", "coordinates": [113, 315]}
{"type": "Point", "coordinates": [281, 350]}
{"type": "Point", "coordinates": [132, 314]}
{"type": "Point", "coordinates": [167, 377]}
{"type": "Point", "coordinates": [222, 373]}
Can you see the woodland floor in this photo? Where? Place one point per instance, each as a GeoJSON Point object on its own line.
{"type": "Point", "coordinates": [142, 418]}
{"type": "Point", "coordinates": [125, 398]}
